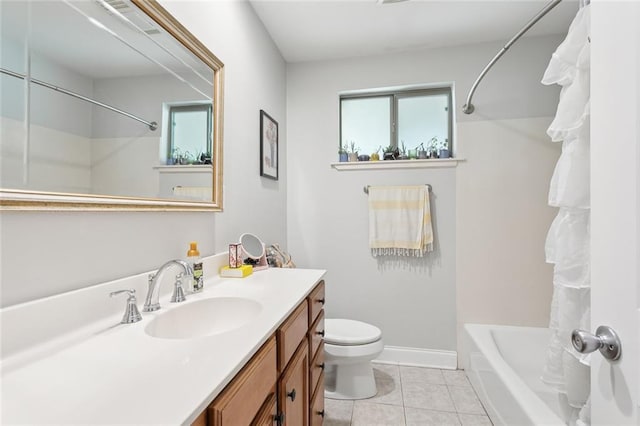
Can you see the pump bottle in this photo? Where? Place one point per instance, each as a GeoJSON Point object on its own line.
{"type": "Point", "coordinates": [193, 257]}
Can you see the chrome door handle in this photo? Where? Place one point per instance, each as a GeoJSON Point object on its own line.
{"type": "Point", "coordinates": [605, 340]}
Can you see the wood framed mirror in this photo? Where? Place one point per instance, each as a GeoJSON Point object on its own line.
{"type": "Point", "coordinates": [107, 105]}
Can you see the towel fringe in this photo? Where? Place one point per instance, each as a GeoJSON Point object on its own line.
{"type": "Point", "coordinates": [376, 252]}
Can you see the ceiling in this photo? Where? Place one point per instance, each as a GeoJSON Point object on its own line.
{"type": "Point", "coordinates": [312, 30]}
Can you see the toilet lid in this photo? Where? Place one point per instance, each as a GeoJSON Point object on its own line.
{"type": "Point", "coordinates": [350, 332]}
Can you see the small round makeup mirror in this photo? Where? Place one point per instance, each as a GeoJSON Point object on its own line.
{"type": "Point", "coordinates": [252, 246]}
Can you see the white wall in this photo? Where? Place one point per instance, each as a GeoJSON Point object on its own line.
{"type": "Point", "coordinates": [327, 210]}
{"type": "Point", "coordinates": [45, 253]}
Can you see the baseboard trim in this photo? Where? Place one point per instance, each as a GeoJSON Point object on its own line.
{"type": "Point", "coordinates": [415, 357]}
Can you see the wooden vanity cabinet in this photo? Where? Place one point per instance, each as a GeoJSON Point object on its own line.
{"type": "Point", "coordinates": [283, 383]}
{"type": "Point", "coordinates": [242, 399]}
{"type": "Point", "coordinates": [293, 389]}
{"type": "Point", "coordinates": [316, 355]}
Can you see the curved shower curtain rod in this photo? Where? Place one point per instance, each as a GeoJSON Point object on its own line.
{"type": "Point", "coordinates": [468, 107]}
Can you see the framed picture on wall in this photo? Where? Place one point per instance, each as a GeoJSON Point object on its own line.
{"type": "Point", "coordinates": [268, 146]}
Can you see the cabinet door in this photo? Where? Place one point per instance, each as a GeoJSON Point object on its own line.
{"type": "Point", "coordinates": [316, 414]}
{"type": "Point", "coordinates": [242, 399]}
{"type": "Point", "coordinates": [267, 414]}
{"type": "Point", "coordinates": [293, 389]}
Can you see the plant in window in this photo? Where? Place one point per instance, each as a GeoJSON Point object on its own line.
{"type": "Point", "coordinates": [342, 152]}
{"type": "Point", "coordinates": [432, 147]}
{"type": "Point", "coordinates": [176, 156]}
{"type": "Point", "coordinates": [391, 153]}
{"type": "Point", "coordinates": [376, 155]}
{"type": "Point", "coordinates": [403, 151]}
{"type": "Point", "coordinates": [353, 151]}
{"type": "Point", "coordinates": [421, 152]}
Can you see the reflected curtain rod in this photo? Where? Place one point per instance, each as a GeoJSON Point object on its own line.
{"type": "Point", "coordinates": [366, 188]}
{"type": "Point", "coordinates": [152, 125]}
{"type": "Point", "coordinates": [468, 107]}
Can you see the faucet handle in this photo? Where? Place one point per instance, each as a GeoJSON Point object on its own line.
{"type": "Point", "coordinates": [131, 313]}
{"type": "Point", "coordinates": [178, 291]}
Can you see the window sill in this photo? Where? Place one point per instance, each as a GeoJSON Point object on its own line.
{"type": "Point", "coordinates": [397, 164]}
{"type": "Point", "coordinates": [184, 168]}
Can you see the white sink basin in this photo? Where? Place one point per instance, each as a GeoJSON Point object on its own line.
{"type": "Point", "coordinates": [204, 318]}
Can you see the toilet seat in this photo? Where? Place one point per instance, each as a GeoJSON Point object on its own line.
{"type": "Point", "coordinates": [345, 332]}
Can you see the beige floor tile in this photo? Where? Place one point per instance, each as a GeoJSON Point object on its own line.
{"type": "Point", "coordinates": [465, 400]}
{"type": "Point", "coordinates": [474, 420]}
{"type": "Point", "coordinates": [427, 396]}
{"type": "Point", "coordinates": [418, 417]}
{"type": "Point", "coordinates": [370, 414]}
{"type": "Point", "coordinates": [337, 412]}
{"type": "Point", "coordinates": [455, 378]}
{"type": "Point", "coordinates": [431, 376]}
{"type": "Point", "coordinates": [388, 384]}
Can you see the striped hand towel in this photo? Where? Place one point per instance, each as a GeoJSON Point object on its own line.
{"type": "Point", "coordinates": [400, 221]}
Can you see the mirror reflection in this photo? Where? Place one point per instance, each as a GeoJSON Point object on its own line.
{"type": "Point", "coordinates": [98, 98]}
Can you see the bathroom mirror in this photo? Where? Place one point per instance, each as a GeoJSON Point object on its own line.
{"type": "Point", "coordinates": [107, 104]}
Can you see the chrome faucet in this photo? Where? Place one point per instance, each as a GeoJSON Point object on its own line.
{"type": "Point", "coordinates": [153, 294]}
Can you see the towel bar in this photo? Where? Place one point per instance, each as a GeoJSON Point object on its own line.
{"type": "Point", "coordinates": [366, 188]}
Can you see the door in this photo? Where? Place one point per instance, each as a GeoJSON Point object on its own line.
{"type": "Point", "coordinates": [615, 202]}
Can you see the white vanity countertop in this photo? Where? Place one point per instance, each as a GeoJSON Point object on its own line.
{"type": "Point", "coordinates": [120, 375]}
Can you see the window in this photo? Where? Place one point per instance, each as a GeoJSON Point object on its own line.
{"type": "Point", "coordinates": [189, 132]}
{"type": "Point", "coordinates": [406, 118]}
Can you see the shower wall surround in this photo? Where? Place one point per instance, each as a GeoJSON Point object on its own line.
{"type": "Point", "coordinates": [490, 211]}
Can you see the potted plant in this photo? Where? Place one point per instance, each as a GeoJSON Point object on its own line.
{"type": "Point", "coordinates": [342, 152]}
{"type": "Point", "coordinates": [391, 153]}
{"type": "Point", "coordinates": [376, 155]}
{"type": "Point", "coordinates": [422, 152]}
{"type": "Point", "coordinates": [176, 156]}
{"type": "Point", "coordinates": [443, 149]}
{"type": "Point", "coordinates": [432, 147]}
{"type": "Point", "coordinates": [403, 152]}
{"type": "Point", "coordinates": [353, 152]}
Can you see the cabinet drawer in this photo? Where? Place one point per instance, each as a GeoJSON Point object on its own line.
{"type": "Point", "coordinates": [316, 368]}
{"type": "Point", "coordinates": [316, 301]}
{"type": "Point", "coordinates": [316, 407]}
{"type": "Point", "coordinates": [293, 389]}
{"type": "Point", "coordinates": [241, 400]}
{"type": "Point", "coordinates": [291, 333]}
{"type": "Point", "coordinates": [316, 335]}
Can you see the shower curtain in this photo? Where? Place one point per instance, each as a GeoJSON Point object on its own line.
{"type": "Point", "coordinates": [567, 245]}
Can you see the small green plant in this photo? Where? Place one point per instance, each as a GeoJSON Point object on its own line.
{"type": "Point", "coordinates": [433, 144]}
{"type": "Point", "coordinates": [389, 148]}
{"type": "Point", "coordinates": [420, 147]}
{"type": "Point", "coordinates": [403, 149]}
{"type": "Point", "coordinates": [353, 149]}
{"type": "Point", "coordinates": [343, 148]}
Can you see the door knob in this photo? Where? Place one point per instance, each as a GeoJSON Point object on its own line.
{"type": "Point", "coordinates": [605, 340]}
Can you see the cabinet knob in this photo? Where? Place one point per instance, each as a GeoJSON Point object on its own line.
{"type": "Point", "coordinates": [321, 333]}
{"type": "Point", "coordinates": [320, 413]}
{"type": "Point", "coordinates": [321, 366]}
{"type": "Point", "coordinates": [321, 301]}
{"type": "Point", "coordinates": [292, 395]}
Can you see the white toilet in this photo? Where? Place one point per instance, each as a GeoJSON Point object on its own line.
{"type": "Point", "coordinates": [349, 347]}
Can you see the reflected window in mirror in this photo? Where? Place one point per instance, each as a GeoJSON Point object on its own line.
{"type": "Point", "coordinates": [189, 134]}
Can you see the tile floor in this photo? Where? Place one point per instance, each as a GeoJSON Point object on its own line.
{"type": "Point", "coordinates": [412, 396]}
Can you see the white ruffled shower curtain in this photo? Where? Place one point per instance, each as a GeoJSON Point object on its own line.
{"type": "Point", "coordinates": [567, 245]}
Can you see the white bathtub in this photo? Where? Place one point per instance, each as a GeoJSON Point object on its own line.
{"type": "Point", "coordinates": [504, 365]}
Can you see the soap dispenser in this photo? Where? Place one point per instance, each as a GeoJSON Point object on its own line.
{"type": "Point", "coordinates": [193, 258]}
